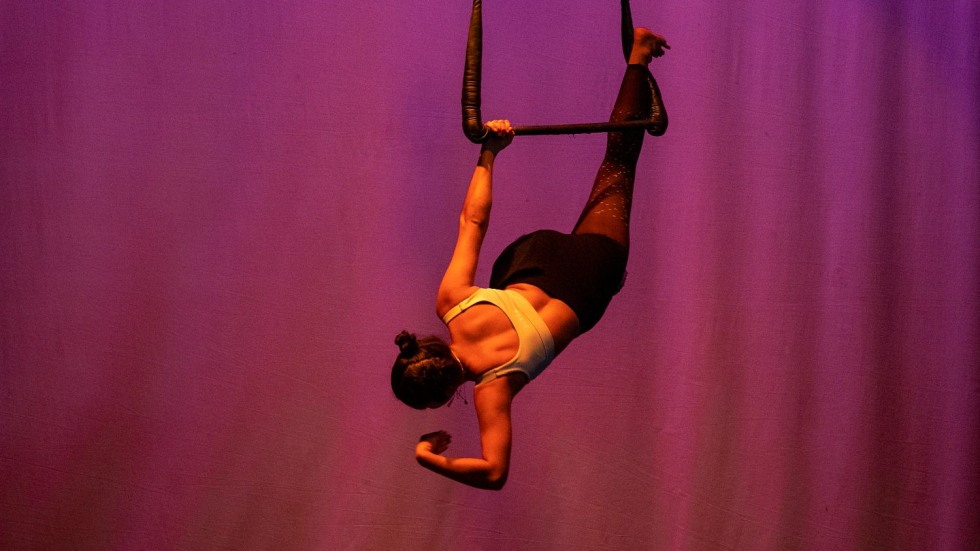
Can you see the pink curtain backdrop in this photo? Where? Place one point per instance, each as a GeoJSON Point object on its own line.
{"type": "Point", "coordinates": [215, 216]}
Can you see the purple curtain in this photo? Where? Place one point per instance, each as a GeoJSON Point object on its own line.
{"type": "Point", "coordinates": [215, 216]}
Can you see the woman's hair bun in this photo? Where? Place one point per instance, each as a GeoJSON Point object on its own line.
{"type": "Point", "coordinates": [407, 343]}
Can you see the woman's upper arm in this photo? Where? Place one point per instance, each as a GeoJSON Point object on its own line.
{"type": "Point", "coordinates": [457, 282]}
{"type": "Point", "coordinates": [493, 414]}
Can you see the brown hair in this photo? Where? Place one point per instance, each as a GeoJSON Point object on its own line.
{"type": "Point", "coordinates": [425, 371]}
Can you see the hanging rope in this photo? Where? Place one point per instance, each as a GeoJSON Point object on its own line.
{"type": "Point", "coordinates": [472, 75]}
{"type": "Point", "coordinates": [473, 126]}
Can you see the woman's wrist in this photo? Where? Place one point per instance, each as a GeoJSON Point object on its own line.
{"type": "Point", "coordinates": [487, 156]}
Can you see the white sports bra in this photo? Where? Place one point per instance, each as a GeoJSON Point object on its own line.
{"type": "Point", "coordinates": [535, 345]}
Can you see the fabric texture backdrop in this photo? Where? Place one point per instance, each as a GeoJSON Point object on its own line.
{"type": "Point", "coordinates": [215, 217]}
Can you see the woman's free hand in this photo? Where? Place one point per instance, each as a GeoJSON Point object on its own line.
{"type": "Point", "coordinates": [499, 136]}
{"type": "Point", "coordinates": [434, 442]}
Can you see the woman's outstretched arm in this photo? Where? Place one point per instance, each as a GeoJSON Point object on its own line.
{"type": "Point", "coordinates": [457, 283]}
{"type": "Point", "coordinates": [492, 402]}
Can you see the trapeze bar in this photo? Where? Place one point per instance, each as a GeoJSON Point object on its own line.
{"type": "Point", "coordinates": [579, 128]}
{"type": "Point", "coordinates": [472, 123]}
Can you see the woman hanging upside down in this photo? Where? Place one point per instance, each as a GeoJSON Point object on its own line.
{"type": "Point", "coordinates": [546, 288]}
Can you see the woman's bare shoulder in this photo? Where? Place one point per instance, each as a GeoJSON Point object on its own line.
{"type": "Point", "coordinates": [449, 297]}
{"type": "Point", "coordinates": [499, 392]}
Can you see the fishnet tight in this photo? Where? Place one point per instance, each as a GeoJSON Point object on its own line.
{"type": "Point", "coordinates": [607, 211]}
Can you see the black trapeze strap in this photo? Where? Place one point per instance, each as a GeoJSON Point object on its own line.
{"type": "Point", "coordinates": [472, 123]}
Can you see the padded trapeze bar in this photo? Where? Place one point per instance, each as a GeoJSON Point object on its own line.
{"type": "Point", "coordinates": [472, 123]}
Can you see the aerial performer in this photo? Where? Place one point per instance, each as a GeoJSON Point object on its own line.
{"type": "Point", "coordinates": [546, 288]}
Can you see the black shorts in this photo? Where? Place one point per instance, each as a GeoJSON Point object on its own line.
{"type": "Point", "coordinates": [582, 270]}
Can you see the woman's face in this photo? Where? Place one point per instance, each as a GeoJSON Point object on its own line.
{"type": "Point", "coordinates": [449, 396]}
{"type": "Point", "coordinates": [447, 399]}
{"type": "Point", "coordinates": [438, 404]}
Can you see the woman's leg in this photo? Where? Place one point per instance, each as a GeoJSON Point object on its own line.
{"type": "Point", "coordinates": [607, 211]}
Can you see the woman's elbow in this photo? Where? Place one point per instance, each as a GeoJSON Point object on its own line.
{"type": "Point", "coordinates": [496, 479]}
{"type": "Point", "coordinates": [497, 485]}
{"type": "Point", "coordinates": [477, 218]}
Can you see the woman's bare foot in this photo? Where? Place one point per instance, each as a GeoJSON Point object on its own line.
{"type": "Point", "coordinates": [646, 46]}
